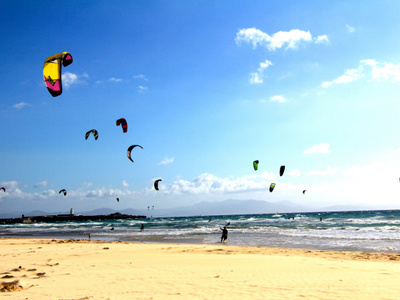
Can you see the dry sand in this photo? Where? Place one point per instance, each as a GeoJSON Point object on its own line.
{"type": "Point", "coordinates": [78, 269]}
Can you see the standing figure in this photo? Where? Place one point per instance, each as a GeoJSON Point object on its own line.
{"type": "Point", "coordinates": [224, 234]}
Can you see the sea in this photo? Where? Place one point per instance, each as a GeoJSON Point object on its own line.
{"type": "Point", "coordinates": [372, 231]}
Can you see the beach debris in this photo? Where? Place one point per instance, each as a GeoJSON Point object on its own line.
{"type": "Point", "coordinates": [255, 165]}
{"type": "Point", "coordinates": [130, 150]}
{"type": "Point", "coordinates": [94, 132]}
{"type": "Point", "coordinates": [156, 183]}
{"type": "Point", "coordinates": [52, 72]}
{"type": "Point", "coordinates": [12, 286]}
{"type": "Point", "coordinates": [123, 124]}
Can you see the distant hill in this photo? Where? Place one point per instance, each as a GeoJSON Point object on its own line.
{"type": "Point", "coordinates": [226, 207]}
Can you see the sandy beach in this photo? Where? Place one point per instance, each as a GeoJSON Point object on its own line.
{"type": "Point", "coordinates": [80, 269]}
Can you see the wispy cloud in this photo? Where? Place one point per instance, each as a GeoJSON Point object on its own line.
{"type": "Point", "coordinates": [21, 105]}
{"type": "Point", "coordinates": [208, 183]}
{"type": "Point", "coordinates": [321, 39]}
{"type": "Point", "coordinates": [327, 171]}
{"type": "Point", "coordinates": [113, 79]}
{"type": "Point", "coordinates": [142, 89]}
{"type": "Point", "coordinates": [282, 39]}
{"type": "Point", "coordinates": [68, 79]}
{"type": "Point", "coordinates": [348, 76]}
{"type": "Point", "coordinates": [320, 148]}
{"type": "Point", "coordinates": [371, 68]}
{"type": "Point", "coordinates": [277, 98]}
{"type": "Point", "coordinates": [40, 184]}
{"type": "Point", "coordinates": [140, 76]}
{"type": "Point", "coordinates": [125, 183]}
{"type": "Point", "coordinates": [291, 39]}
{"type": "Point", "coordinates": [166, 161]}
{"type": "Point", "coordinates": [350, 29]}
{"type": "Point", "coordinates": [295, 172]}
{"type": "Point", "coordinates": [257, 77]}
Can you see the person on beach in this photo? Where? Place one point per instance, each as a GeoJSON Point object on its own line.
{"type": "Point", "coordinates": [224, 234]}
{"type": "Point", "coordinates": [141, 227]}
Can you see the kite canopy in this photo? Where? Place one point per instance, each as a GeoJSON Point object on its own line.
{"type": "Point", "coordinates": [117, 199]}
{"type": "Point", "coordinates": [281, 170]}
{"type": "Point", "coordinates": [304, 191]}
{"type": "Point", "coordinates": [156, 183]}
{"type": "Point", "coordinates": [271, 187]}
{"type": "Point", "coordinates": [130, 150]}
{"type": "Point", "coordinates": [123, 124]}
{"type": "Point", "coordinates": [63, 191]}
{"type": "Point", "coordinates": [94, 132]}
{"type": "Point", "coordinates": [255, 165]}
{"type": "Point", "coordinates": [3, 188]}
{"type": "Point", "coordinates": [52, 72]}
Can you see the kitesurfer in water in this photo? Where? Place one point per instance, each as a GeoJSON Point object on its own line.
{"type": "Point", "coordinates": [224, 234]}
{"type": "Point", "coordinates": [141, 227]}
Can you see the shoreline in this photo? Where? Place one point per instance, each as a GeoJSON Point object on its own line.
{"type": "Point", "coordinates": [343, 254]}
{"type": "Point", "coordinates": [190, 241]}
{"type": "Point", "coordinates": [82, 269]}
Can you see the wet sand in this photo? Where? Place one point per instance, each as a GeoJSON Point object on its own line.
{"type": "Point", "coordinates": [80, 269]}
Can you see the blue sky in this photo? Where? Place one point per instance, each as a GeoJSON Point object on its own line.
{"type": "Point", "coordinates": [206, 88]}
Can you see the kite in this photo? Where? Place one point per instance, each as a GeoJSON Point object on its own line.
{"type": "Point", "coordinates": [52, 72]}
{"type": "Point", "coordinates": [63, 191]}
{"type": "Point", "coordinates": [156, 183]}
{"type": "Point", "coordinates": [117, 199]}
{"type": "Point", "coordinates": [271, 187]}
{"type": "Point", "coordinates": [123, 124]}
{"type": "Point", "coordinates": [255, 165]}
{"type": "Point", "coordinates": [304, 191]}
{"type": "Point", "coordinates": [3, 188]}
{"type": "Point", "coordinates": [281, 170]}
{"type": "Point", "coordinates": [130, 149]}
{"type": "Point", "coordinates": [94, 132]}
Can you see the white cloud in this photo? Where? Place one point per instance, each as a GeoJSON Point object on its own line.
{"type": "Point", "coordinates": [125, 183]}
{"type": "Point", "coordinates": [383, 71]}
{"type": "Point", "coordinates": [348, 76]}
{"type": "Point", "coordinates": [321, 148]}
{"type": "Point", "coordinates": [142, 89]}
{"type": "Point", "coordinates": [279, 39]}
{"type": "Point", "coordinates": [277, 98]}
{"type": "Point", "coordinates": [295, 172]}
{"type": "Point", "coordinates": [371, 68]}
{"type": "Point", "coordinates": [351, 29]}
{"type": "Point", "coordinates": [21, 105]}
{"type": "Point", "coordinates": [166, 161]}
{"type": "Point", "coordinates": [209, 183]}
{"type": "Point", "coordinates": [68, 79]}
{"type": "Point", "coordinates": [113, 79]}
{"type": "Point", "coordinates": [321, 39]}
{"type": "Point", "coordinates": [257, 77]}
{"type": "Point", "coordinates": [327, 171]}
{"type": "Point", "coordinates": [140, 76]}
{"type": "Point", "coordinates": [40, 184]}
